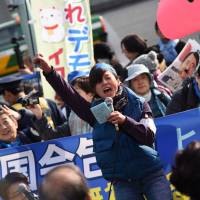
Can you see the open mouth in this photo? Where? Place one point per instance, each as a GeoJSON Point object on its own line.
{"type": "Point", "coordinates": [107, 90]}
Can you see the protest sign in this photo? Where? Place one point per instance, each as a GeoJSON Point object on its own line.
{"type": "Point", "coordinates": [183, 66]}
{"type": "Point", "coordinates": [63, 34]}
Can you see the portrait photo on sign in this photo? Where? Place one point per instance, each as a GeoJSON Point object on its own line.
{"type": "Point", "coordinates": [183, 66]}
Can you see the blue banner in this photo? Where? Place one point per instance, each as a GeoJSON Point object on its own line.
{"type": "Point", "coordinates": [35, 160]}
{"type": "Point", "coordinates": [174, 132]}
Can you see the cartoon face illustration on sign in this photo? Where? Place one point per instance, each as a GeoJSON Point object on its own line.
{"type": "Point", "coordinates": [52, 25]}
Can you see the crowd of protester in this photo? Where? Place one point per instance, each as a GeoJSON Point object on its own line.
{"type": "Point", "coordinates": [138, 97]}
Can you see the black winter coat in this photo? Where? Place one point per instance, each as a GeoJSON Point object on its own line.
{"type": "Point", "coordinates": [184, 99]}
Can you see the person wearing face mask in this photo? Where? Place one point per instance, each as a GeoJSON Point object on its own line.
{"type": "Point", "coordinates": [140, 81]}
{"type": "Point", "coordinates": [126, 156]}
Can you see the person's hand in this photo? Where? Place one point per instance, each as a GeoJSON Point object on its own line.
{"type": "Point", "coordinates": [116, 118]}
{"type": "Point", "coordinates": [36, 110]}
{"type": "Point", "coordinates": [9, 111]}
{"type": "Point", "coordinates": [25, 70]}
{"type": "Point", "coordinates": [42, 63]}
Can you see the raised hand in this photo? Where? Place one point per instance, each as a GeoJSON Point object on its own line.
{"type": "Point", "coordinates": [36, 110]}
{"type": "Point", "coordinates": [42, 63]}
{"type": "Point", "coordinates": [11, 112]}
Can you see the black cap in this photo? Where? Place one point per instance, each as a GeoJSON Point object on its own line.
{"type": "Point", "coordinates": [11, 82]}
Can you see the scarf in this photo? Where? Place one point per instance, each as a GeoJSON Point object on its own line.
{"type": "Point", "coordinates": [147, 96]}
{"type": "Point", "coordinates": [121, 99]}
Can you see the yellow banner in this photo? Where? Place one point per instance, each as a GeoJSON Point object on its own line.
{"type": "Point", "coordinates": [64, 33]}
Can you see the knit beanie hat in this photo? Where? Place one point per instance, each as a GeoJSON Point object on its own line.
{"type": "Point", "coordinates": [149, 60]}
{"type": "Point", "coordinates": [106, 67]}
{"type": "Point", "coordinates": [97, 72]}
